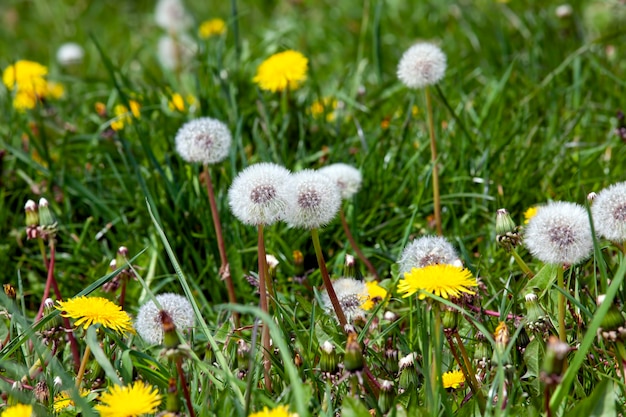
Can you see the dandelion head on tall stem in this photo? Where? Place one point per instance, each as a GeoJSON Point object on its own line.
{"type": "Point", "coordinates": [203, 140]}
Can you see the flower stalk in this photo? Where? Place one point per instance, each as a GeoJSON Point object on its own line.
{"type": "Point", "coordinates": [433, 159]}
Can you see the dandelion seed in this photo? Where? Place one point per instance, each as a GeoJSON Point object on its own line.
{"type": "Point", "coordinates": [258, 194]}
{"type": "Point", "coordinates": [129, 401]}
{"type": "Point", "coordinates": [70, 54]}
{"type": "Point", "coordinates": [559, 234]}
{"type": "Point", "coordinates": [313, 200]}
{"type": "Point", "coordinates": [428, 250]}
{"type": "Point", "coordinates": [148, 323]}
{"type": "Point", "coordinates": [347, 178]}
{"type": "Point", "coordinates": [421, 65]}
{"type": "Point", "coordinates": [203, 140]}
{"type": "Point", "coordinates": [89, 311]}
{"type": "Point", "coordinates": [453, 379]}
{"type": "Point", "coordinates": [609, 212]}
{"type": "Point", "coordinates": [280, 71]}
{"type": "Point", "coordinates": [442, 280]}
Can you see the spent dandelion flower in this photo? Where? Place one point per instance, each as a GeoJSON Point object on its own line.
{"type": "Point", "coordinates": [204, 140]}
{"type": "Point", "coordinates": [281, 71]}
{"type": "Point", "coordinates": [428, 250]}
{"type": "Point", "coordinates": [280, 411]}
{"type": "Point", "coordinates": [70, 53]}
{"type": "Point", "coordinates": [347, 178]}
{"type": "Point", "coordinates": [352, 295]}
{"type": "Point", "coordinates": [172, 16]}
{"type": "Point", "coordinates": [18, 410]}
{"type": "Point", "coordinates": [148, 322]}
{"type": "Point", "coordinates": [609, 212]}
{"type": "Point", "coordinates": [129, 401]}
{"type": "Point", "coordinates": [212, 27]}
{"type": "Point", "coordinates": [421, 65]}
{"type": "Point", "coordinates": [313, 200]}
{"type": "Point", "coordinates": [442, 280]}
{"type": "Point", "coordinates": [453, 379]}
{"type": "Point", "coordinates": [258, 194]}
{"type": "Point", "coordinates": [89, 311]}
{"type": "Point", "coordinates": [559, 234]}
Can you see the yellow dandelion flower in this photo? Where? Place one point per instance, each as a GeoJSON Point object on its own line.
{"type": "Point", "coordinates": [88, 311]}
{"type": "Point", "coordinates": [18, 410]}
{"type": "Point", "coordinates": [530, 213]}
{"type": "Point", "coordinates": [453, 379]}
{"type": "Point", "coordinates": [280, 411]}
{"type": "Point", "coordinates": [54, 90]}
{"type": "Point", "coordinates": [123, 115]}
{"type": "Point", "coordinates": [328, 105]}
{"type": "Point", "coordinates": [64, 400]}
{"type": "Point", "coordinates": [24, 100]}
{"type": "Point", "coordinates": [375, 293]}
{"type": "Point", "coordinates": [129, 401]}
{"type": "Point", "coordinates": [26, 75]}
{"type": "Point", "coordinates": [212, 27]}
{"type": "Point", "coordinates": [281, 71]}
{"type": "Point", "coordinates": [442, 280]}
{"type": "Point", "coordinates": [178, 103]}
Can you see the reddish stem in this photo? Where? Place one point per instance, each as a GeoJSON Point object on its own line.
{"type": "Point", "coordinates": [183, 382]}
{"type": "Point", "coordinates": [265, 334]}
{"type": "Point", "coordinates": [49, 279]}
{"type": "Point", "coordinates": [494, 313]}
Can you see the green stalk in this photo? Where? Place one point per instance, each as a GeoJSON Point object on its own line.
{"type": "Point", "coordinates": [433, 159]}
{"type": "Point", "coordinates": [523, 266]}
{"type": "Point", "coordinates": [562, 332]}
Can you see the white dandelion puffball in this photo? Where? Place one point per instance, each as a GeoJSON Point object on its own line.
{"type": "Point", "coordinates": [70, 54]}
{"type": "Point", "coordinates": [559, 234]}
{"type": "Point", "coordinates": [428, 250]}
{"type": "Point", "coordinates": [149, 325]}
{"type": "Point", "coordinates": [609, 212]}
{"type": "Point", "coordinates": [421, 65]}
{"type": "Point", "coordinates": [351, 294]}
{"type": "Point", "coordinates": [175, 53]}
{"type": "Point", "coordinates": [313, 200]}
{"type": "Point", "coordinates": [172, 16]}
{"type": "Point", "coordinates": [258, 195]}
{"type": "Point", "coordinates": [347, 177]}
{"type": "Point", "coordinates": [204, 140]}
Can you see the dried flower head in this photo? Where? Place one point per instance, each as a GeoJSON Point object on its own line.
{"type": "Point", "coordinates": [258, 194]}
{"type": "Point", "coordinates": [428, 250]}
{"type": "Point", "coordinates": [172, 16]}
{"type": "Point", "coordinates": [129, 401]}
{"type": "Point", "coordinates": [442, 280]}
{"type": "Point", "coordinates": [421, 65]}
{"type": "Point", "coordinates": [204, 140]}
{"type": "Point", "coordinates": [609, 212]}
{"type": "Point", "coordinates": [453, 379]}
{"type": "Point", "coordinates": [88, 311]}
{"type": "Point", "coordinates": [281, 71]}
{"type": "Point", "coordinates": [148, 322]}
{"type": "Point", "coordinates": [70, 53]}
{"type": "Point", "coordinates": [347, 177]}
{"type": "Point", "coordinates": [175, 53]}
{"type": "Point", "coordinates": [351, 294]}
{"type": "Point", "coordinates": [559, 234]}
{"type": "Point", "coordinates": [313, 200]}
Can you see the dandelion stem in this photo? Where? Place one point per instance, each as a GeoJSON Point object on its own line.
{"type": "Point", "coordinates": [183, 382]}
{"type": "Point", "coordinates": [433, 158]}
{"type": "Point", "coordinates": [83, 365]}
{"type": "Point", "coordinates": [561, 284]}
{"type": "Point", "coordinates": [522, 264]}
{"type": "Point", "coordinates": [49, 279]}
{"type": "Point", "coordinates": [224, 268]}
{"type": "Point", "coordinates": [355, 246]}
{"type": "Point", "coordinates": [327, 283]}
{"type": "Point", "coordinates": [470, 370]}
{"type": "Point", "coordinates": [265, 334]}
{"type": "Point", "coordinates": [435, 369]}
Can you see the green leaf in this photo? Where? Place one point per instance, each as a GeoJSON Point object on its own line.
{"type": "Point", "coordinates": [600, 403]}
{"type": "Point", "coordinates": [533, 356]}
{"type": "Point", "coordinates": [542, 281]}
{"type": "Point", "coordinates": [352, 407]}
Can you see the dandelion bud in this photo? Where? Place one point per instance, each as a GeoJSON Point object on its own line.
{"type": "Point", "coordinates": [563, 11]}
{"type": "Point", "coordinates": [507, 235]}
{"type": "Point", "coordinates": [501, 336]}
{"type": "Point", "coordinates": [329, 360]}
{"type": "Point", "coordinates": [32, 214]}
{"type": "Point", "coordinates": [482, 354]}
{"type": "Point", "coordinates": [243, 353]}
{"type": "Point", "coordinates": [298, 262]}
{"type": "Point", "coordinates": [353, 359]}
{"type": "Point", "coordinates": [172, 403]}
{"type": "Point", "coordinates": [390, 316]}
{"type": "Point", "coordinates": [348, 266]}
{"type": "Point", "coordinates": [272, 262]}
{"type": "Point", "coordinates": [554, 362]}
{"type": "Point", "coordinates": [47, 223]}
{"type": "Point", "coordinates": [612, 327]}
{"type": "Point", "coordinates": [450, 320]}
{"type": "Point", "coordinates": [57, 381]}
{"type": "Point", "coordinates": [536, 318]}
{"type": "Point", "coordinates": [170, 337]}
{"type": "Point", "coordinates": [391, 358]}
{"type": "Point", "coordinates": [409, 378]}
{"type": "Point", "coordinates": [591, 196]}
{"type": "Point", "coordinates": [9, 290]}
{"type": "Point", "coordinates": [387, 396]}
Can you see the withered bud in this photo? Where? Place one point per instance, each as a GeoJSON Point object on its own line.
{"type": "Point", "coordinates": [353, 359]}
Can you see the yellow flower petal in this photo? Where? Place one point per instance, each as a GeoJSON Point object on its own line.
{"type": "Point", "coordinates": [442, 280]}
{"type": "Point", "coordinates": [281, 71]}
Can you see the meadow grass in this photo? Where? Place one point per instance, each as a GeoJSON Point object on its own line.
{"type": "Point", "coordinates": [525, 114]}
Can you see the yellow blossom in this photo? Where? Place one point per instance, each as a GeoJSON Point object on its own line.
{"type": "Point", "coordinates": [212, 27]}
{"type": "Point", "coordinates": [453, 379]}
{"type": "Point", "coordinates": [54, 90]}
{"type": "Point", "coordinates": [63, 400]}
{"type": "Point", "coordinates": [442, 280]}
{"type": "Point", "coordinates": [530, 213]}
{"type": "Point", "coordinates": [328, 105]}
{"type": "Point", "coordinates": [123, 115]}
{"type": "Point", "coordinates": [177, 102]}
{"type": "Point", "coordinates": [283, 70]}
{"type": "Point", "coordinates": [18, 410]}
{"type": "Point", "coordinates": [24, 100]}
{"type": "Point", "coordinates": [280, 411]}
{"type": "Point", "coordinates": [25, 75]}
{"type": "Point", "coordinates": [129, 401]}
{"type": "Point", "coordinates": [376, 294]}
{"type": "Point", "coordinates": [88, 311]}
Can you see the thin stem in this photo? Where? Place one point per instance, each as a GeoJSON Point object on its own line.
{"type": "Point", "coordinates": [83, 365]}
{"type": "Point", "coordinates": [224, 268]}
{"type": "Point", "coordinates": [356, 247]}
{"type": "Point", "coordinates": [562, 332]}
{"type": "Point", "coordinates": [470, 370]}
{"type": "Point", "coordinates": [522, 264]}
{"type": "Point", "coordinates": [265, 333]}
{"type": "Point", "coordinates": [435, 352]}
{"type": "Point", "coordinates": [183, 382]}
{"type": "Point", "coordinates": [433, 158]}
{"type": "Point", "coordinates": [327, 283]}
{"type": "Point", "coordinates": [49, 279]}
{"type": "Point", "coordinates": [462, 364]}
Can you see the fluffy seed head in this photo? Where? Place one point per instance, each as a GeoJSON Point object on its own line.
{"type": "Point", "coordinates": [428, 250]}
{"type": "Point", "coordinates": [347, 177]}
{"type": "Point", "coordinates": [258, 194]}
{"type": "Point", "coordinates": [171, 16]}
{"type": "Point", "coordinates": [175, 53]}
{"type": "Point", "coordinates": [70, 54]}
{"type": "Point", "coordinates": [204, 140]}
{"type": "Point", "coordinates": [148, 323]}
{"type": "Point", "coordinates": [313, 200]}
{"type": "Point", "coordinates": [609, 212]}
{"type": "Point", "coordinates": [421, 65]}
{"type": "Point", "coordinates": [351, 294]}
{"type": "Point", "coordinates": [559, 234]}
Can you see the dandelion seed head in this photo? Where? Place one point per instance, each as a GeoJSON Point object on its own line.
{"type": "Point", "coordinates": [70, 53]}
{"type": "Point", "coordinates": [421, 65]}
{"type": "Point", "coordinates": [609, 212]}
{"type": "Point", "coordinates": [351, 294]}
{"type": "Point", "coordinates": [559, 234]}
{"type": "Point", "coordinates": [149, 325]}
{"type": "Point", "coordinates": [428, 250]}
{"type": "Point", "coordinates": [171, 16]}
{"type": "Point", "coordinates": [313, 200]}
{"type": "Point", "coordinates": [203, 140]}
{"type": "Point", "coordinates": [347, 178]}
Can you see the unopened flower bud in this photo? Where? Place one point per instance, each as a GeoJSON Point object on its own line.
{"type": "Point", "coordinates": [554, 362]}
{"type": "Point", "coordinates": [537, 321]}
{"type": "Point", "coordinates": [32, 214]}
{"type": "Point", "coordinates": [501, 336]}
{"type": "Point", "coordinates": [353, 359]}
{"type": "Point", "coordinates": [449, 319]}
{"type": "Point", "coordinates": [409, 378]}
{"type": "Point", "coordinates": [170, 337]}
{"type": "Point", "coordinates": [329, 360]}
{"type": "Point", "coordinates": [613, 324]}
{"type": "Point", "coordinates": [391, 358]}
{"type": "Point", "coordinates": [10, 292]}
{"type": "Point", "coordinates": [57, 381]}
{"type": "Point", "coordinates": [387, 396]}
{"type": "Point", "coordinates": [591, 196]}
{"type": "Point", "coordinates": [563, 11]}
{"type": "Point", "coordinates": [349, 266]}
{"type": "Point", "coordinates": [298, 262]}
{"type": "Point", "coordinates": [113, 264]}
{"type": "Point", "coordinates": [243, 353]}
{"type": "Point", "coordinates": [172, 403]}
{"type": "Point", "coordinates": [507, 234]}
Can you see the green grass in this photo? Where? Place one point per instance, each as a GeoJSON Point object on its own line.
{"type": "Point", "coordinates": [525, 114]}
